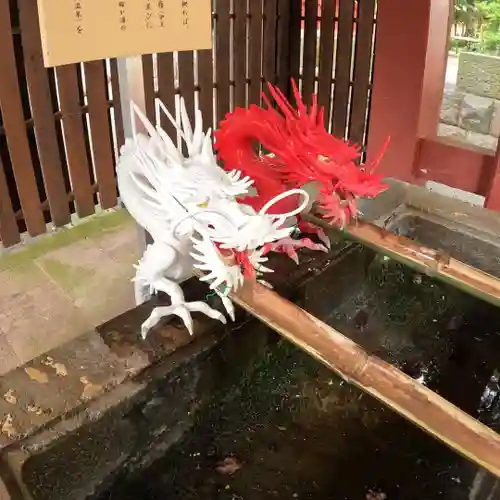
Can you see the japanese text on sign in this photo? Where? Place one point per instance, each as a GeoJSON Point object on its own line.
{"type": "Point", "coordinates": [123, 16]}
{"type": "Point", "coordinates": [185, 12]}
{"type": "Point", "coordinates": [86, 30]}
{"type": "Point", "coordinates": [149, 15]}
{"type": "Point", "coordinates": [161, 13]}
{"type": "Point", "coordinates": [78, 16]}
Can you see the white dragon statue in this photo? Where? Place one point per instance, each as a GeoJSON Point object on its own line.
{"type": "Point", "coordinates": [188, 205]}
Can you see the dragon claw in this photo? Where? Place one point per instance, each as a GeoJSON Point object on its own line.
{"type": "Point", "coordinates": [229, 306]}
{"type": "Point", "coordinates": [306, 227]}
{"type": "Point", "coordinates": [289, 247]}
{"type": "Point", "coordinates": [183, 311]}
{"type": "Point", "coordinates": [290, 251]}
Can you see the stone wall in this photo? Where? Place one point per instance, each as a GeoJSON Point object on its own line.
{"type": "Point", "coordinates": [479, 74]}
{"type": "Point", "coordinates": [470, 118]}
{"type": "Point", "coordinates": [470, 112]}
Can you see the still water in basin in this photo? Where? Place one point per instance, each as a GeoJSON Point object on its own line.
{"type": "Point", "coordinates": [292, 429]}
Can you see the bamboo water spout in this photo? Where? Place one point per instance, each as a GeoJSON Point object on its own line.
{"type": "Point", "coordinates": [401, 393]}
{"type": "Point", "coordinates": [425, 260]}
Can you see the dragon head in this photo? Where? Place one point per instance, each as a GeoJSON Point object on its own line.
{"type": "Point", "coordinates": [233, 239]}
{"type": "Point", "coordinates": [311, 154]}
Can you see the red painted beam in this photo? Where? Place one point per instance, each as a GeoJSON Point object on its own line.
{"type": "Point", "coordinates": [454, 166]}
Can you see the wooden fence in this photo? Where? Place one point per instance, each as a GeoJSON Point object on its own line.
{"type": "Point", "coordinates": [61, 128]}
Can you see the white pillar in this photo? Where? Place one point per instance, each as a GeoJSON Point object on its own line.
{"type": "Point", "coordinates": [131, 83]}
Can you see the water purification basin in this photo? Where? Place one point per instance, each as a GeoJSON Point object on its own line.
{"type": "Point", "coordinates": [290, 428]}
{"type": "Point", "coordinates": [240, 413]}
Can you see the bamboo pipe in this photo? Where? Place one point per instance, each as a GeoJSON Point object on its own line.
{"type": "Point", "coordinates": [428, 261]}
{"type": "Point", "coordinates": [401, 393]}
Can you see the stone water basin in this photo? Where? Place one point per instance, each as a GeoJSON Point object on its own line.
{"type": "Point", "coordinates": [239, 413]}
{"type": "Point", "coordinates": [286, 427]}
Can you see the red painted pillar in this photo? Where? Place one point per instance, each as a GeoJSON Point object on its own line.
{"type": "Point", "coordinates": [435, 66]}
{"type": "Point", "coordinates": [400, 58]}
{"type": "Point", "coordinates": [493, 195]}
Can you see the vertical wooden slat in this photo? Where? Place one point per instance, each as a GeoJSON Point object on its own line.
{"type": "Point", "coordinates": [342, 67]}
{"type": "Point", "coordinates": [310, 42]}
{"type": "Point", "coordinates": [206, 85]}
{"type": "Point", "coordinates": [222, 40]}
{"type": "Point", "coordinates": [43, 117]}
{"type": "Point", "coordinates": [96, 81]}
{"type": "Point", "coordinates": [117, 105]}
{"type": "Point", "coordinates": [255, 47]}
{"type": "Point", "coordinates": [149, 89]}
{"type": "Point", "coordinates": [283, 46]}
{"type": "Point", "coordinates": [9, 232]}
{"type": "Point", "coordinates": [166, 90]}
{"type": "Point", "coordinates": [295, 40]}
{"type": "Point", "coordinates": [74, 137]}
{"type": "Point", "coordinates": [240, 52]}
{"type": "Point", "coordinates": [15, 129]}
{"type": "Point", "coordinates": [269, 35]}
{"type": "Point", "coordinates": [326, 56]}
{"type": "Point", "coordinates": [186, 81]}
{"type": "Point", "coordinates": [362, 61]}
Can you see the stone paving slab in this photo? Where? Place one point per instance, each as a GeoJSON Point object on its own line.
{"type": "Point", "coordinates": [36, 315]}
{"type": "Point", "coordinates": [55, 288]}
{"type": "Point", "coordinates": [91, 279]}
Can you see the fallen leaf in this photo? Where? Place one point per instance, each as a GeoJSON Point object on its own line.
{"type": "Point", "coordinates": [10, 397]}
{"type": "Point", "coordinates": [90, 390]}
{"type": "Point", "coordinates": [58, 367]}
{"type": "Point", "coordinates": [33, 408]}
{"type": "Point", "coordinates": [37, 375]}
{"type": "Point", "coordinates": [228, 466]}
{"type": "Point", "coordinates": [8, 427]}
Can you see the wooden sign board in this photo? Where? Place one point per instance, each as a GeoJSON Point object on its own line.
{"type": "Point", "coordinates": [85, 30]}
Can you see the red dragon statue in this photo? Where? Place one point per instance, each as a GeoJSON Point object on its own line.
{"type": "Point", "coordinates": [298, 151]}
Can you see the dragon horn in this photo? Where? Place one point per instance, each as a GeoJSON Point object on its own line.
{"type": "Point", "coordinates": [161, 107]}
{"type": "Point", "coordinates": [169, 147]}
{"type": "Point", "coordinates": [207, 149]}
{"type": "Point", "coordinates": [314, 110]}
{"type": "Point", "coordinates": [198, 137]}
{"type": "Point", "coordinates": [186, 125]}
{"type": "Point", "coordinates": [268, 104]}
{"type": "Point", "coordinates": [137, 113]}
{"type": "Point", "coordinates": [282, 102]}
{"type": "Point", "coordinates": [375, 163]}
{"type": "Point", "coordinates": [321, 115]}
{"type": "Point", "coordinates": [298, 99]}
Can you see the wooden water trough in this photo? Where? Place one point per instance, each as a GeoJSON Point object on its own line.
{"type": "Point", "coordinates": [388, 384]}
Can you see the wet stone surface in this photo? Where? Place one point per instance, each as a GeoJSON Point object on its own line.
{"type": "Point", "coordinates": [289, 428]}
{"type": "Point", "coordinates": [238, 414]}
{"type": "Point", "coordinates": [106, 400]}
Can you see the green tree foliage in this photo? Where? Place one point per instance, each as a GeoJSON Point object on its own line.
{"type": "Point", "coordinates": [480, 19]}
{"type": "Point", "coordinates": [466, 13]}
{"type": "Point", "coordinates": [490, 30]}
